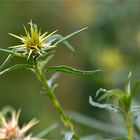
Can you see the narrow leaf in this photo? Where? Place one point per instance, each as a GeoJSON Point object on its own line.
{"type": "Point", "coordinates": [100, 91]}
{"type": "Point", "coordinates": [122, 138]}
{"type": "Point", "coordinates": [134, 88]}
{"type": "Point", "coordinates": [15, 67]}
{"type": "Point", "coordinates": [107, 94]}
{"type": "Point", "coordinates": [47, 130]}
{"type": "Point", "coordinates": [59, 37]}
{"type": "Point", "coordinates": [127, 85]}
{"type": "Point", "coordinates": [69, 36]}
{"type": "Point", "coordinates": [10, 56]}
{"type": "Point", "coordinates": [7, 51]}
{"type": "Point", "coordinates": [137, 129]}
{"type": "Point", "coordinates": [91, 137]}
{"type": "Point", "coordinates": [12, 52]}
{"type": "Point", "coordinates": [51, 81]}
{"type": "Point", "coordinates": [70, 70]}
{"type": "Point", "coordinates": [106, 106]}
{"type": "Point", "coordinates": [96, 124]}
{"type": "Point", "coordinates": [45, 60]}
{"type": "Point", "coordinates": [135, 108]}
{"type": "Point", "coordinates": [45, 55]}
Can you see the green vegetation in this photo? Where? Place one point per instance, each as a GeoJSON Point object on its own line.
{"type": "Point", "coordinates": [39, 78]}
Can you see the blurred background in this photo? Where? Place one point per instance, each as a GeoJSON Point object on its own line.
{"type": "Point", "coordinates": [111, 43]}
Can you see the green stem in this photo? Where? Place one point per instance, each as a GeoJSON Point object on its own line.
{"type": "Point", "coordinates": [66, 120]}
{"type": "Point", "coordinates": [129, 125]}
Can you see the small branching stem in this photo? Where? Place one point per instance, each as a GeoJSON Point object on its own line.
{"type": "Point", "coordinates": [129, 125]}
{"type": "Point", "coordinates": [66, 120]}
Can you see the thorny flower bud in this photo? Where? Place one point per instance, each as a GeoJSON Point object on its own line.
{"type": "Point", "coordinates": [10, 130]}
{"type": "Point", "coordinates": [34, 43]}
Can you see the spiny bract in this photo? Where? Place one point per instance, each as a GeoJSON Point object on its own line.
{"type": "Point", "coordinates": [34, 43]}
{"type": "Point", "coordinates": [10, 130]}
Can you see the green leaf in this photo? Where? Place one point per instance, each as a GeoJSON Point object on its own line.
{"type": "Point", "coordinates": [45, 55]}
{"type": "Point", "coordinates": [96, 124]}
{"type": "Point", "coordinates": [15, 67]}
{"type": "Point", "coordinates": [127, 85]}
{"type": "Point", "coordinates": [106, 106]}
{"type": "Point", "coordinates": [91, 137]}
{"type": "Point", "coordinates": [136, 128]}
{"type": "Point", "coordinates": [67, 37]}
{"type": "Point", "coordinates": [66, 43]}
{"type": "Point", "coordinates": [12, 52]}
{"type": "Point", "coordinates": [10, 56]}
{"type": "Point", "coordinates": [134, 88]}
{"type": "Point", "coordinates": [7, 51]}
{"type": "Point", "coordinates": [109, 93]}
{"type": "Point", "coordinates": [47, 130]}
{"type": "Point", "coordinates": [122, 138]}
{"type": "Point", "coordinates": [135, 108]}
{"type": "Point", "coordinates": [42, 62]}
{"type": "Point", "coordinates": [70, 70]}
{"type": "Point", "coordinates": [51, 81]}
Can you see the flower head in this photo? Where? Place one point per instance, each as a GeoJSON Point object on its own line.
{"type": "Point", "coordinates": [33, 42]}
{"type": "Point", "coordinates": [10, 129]}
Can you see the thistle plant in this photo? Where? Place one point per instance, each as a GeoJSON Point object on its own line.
{"type": "Point", "coordinates": [34, 43]}
{"type": "Point", "coordinates": [10, 129]}
{"type": "Point", "coordinates": [39, 48]}
{"type": "Point", "coordinates": [123, 104]}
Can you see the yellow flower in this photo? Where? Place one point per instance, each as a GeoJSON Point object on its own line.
{"type": "Point", "coordinates": [33, 42]}
{"type": "Point", "coordinates": [10, 130]}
